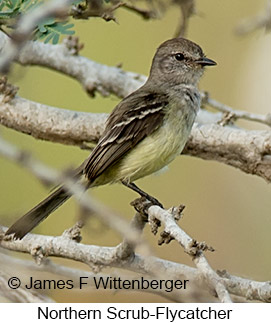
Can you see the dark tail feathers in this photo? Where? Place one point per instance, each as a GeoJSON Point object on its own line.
{"type": "Point", "coordinates": [39, 213]}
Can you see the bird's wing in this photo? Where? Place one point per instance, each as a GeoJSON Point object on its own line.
{"type": "Point", "coordinates": [125, 129]}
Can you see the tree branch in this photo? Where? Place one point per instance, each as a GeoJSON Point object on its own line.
{"type": "Point", "coordinates": [262, 20]}
{"type": "Point", "coordinates": [187, 8]}
{"type": "Point", "coordinates": [97, 77]}
{"type": "Point", "coordinates": [49, 123]}
{"type": "Point", "coordinates": [22, 294]}
{"type": "Point", "coordinates": [236, 114]}
{"type": "Point", "coordinates": [193, 248]}
{"type": "Point", "coordinates": [93, 76]}
{"type": "Point", "coordinates": [74, 274]}
{"type": "Point", "coordinates": [99, 9]}
{"type": "Point", "coordinates": [247, 150]}
{"type": "Point", "coordinates": [99, 257]}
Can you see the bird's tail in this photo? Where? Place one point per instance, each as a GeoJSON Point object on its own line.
{"type": "Point", "coordinates": [39, 213]}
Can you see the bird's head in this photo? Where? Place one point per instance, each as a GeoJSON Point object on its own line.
{"type": "Point", "coordinates": [177, 61]}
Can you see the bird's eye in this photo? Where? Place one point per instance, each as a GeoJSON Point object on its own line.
{"type": "Point", "coordinates": [179, 56]}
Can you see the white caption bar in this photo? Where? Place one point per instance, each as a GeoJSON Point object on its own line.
{"type": "Point", "coordinates": [139, 312]}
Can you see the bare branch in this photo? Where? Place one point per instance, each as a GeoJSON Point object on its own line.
{"type": "Point", "coordinates": [93, 76]}
{"type": "Point", "coordinates": [125, 249]}
{"type": "Point", "coordinates": [49, 123]}
{"type": "Point", "coordinates": [236, 114]}
{"type": "Point", "coordinates": [104, 79]}
{"type": "Point", "coordinates": [249, 151]}
{"type": "Point", "coordinates": [187, 8]}
{"type": "Point", "coordinates": [49, 266]}
{"type": "Point", "coordinates": [73, 45]}
{"type": "Point", "coordinates": [105, 256]}
{"type": "Point", "coordinates": [8, 90]}
{"type": "Point", "coordinates": [99, 9]}
{"type": "Point", "coordinates": [144, 13]}
{"type": "Point", "coordinates": [262, 20]}
{"type": "Point", "coordinates": [244, 149]}
{"type": "Point", "coordinates": [246, 287]}
{"type": "Point", "coordinates": [22, 294]}
{"type": "Point", "coordinates": [192, 248]}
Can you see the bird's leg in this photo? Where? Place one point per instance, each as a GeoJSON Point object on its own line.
{"type": "Point", "coordinates": [135, 188]}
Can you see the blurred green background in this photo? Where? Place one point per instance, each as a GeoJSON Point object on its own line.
{"type": "Point", "coordinates": [224, 207]}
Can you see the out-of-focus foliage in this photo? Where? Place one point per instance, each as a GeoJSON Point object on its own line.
{"type": "Point", "coordinates": [51, 28]}
{"type": "Point", "coordinates": [48, 30]}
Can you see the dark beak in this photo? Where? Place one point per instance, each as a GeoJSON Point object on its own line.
{"type": "Point", "coordinates": [204, 61]}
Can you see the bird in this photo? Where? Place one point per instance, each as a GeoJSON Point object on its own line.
{"type": "Point", "coordinates": [143, 133]}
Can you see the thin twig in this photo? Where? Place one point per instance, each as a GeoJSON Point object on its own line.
{"type": "Point", "coordinates": [237, 114]}
{"type": "Point", "coordinates": [144, 13]}
{"type": "Point", "coordinates": [187, 8]}
{"type": "Point", "coordinates": [262, 20]}
{"type": "Point", "coordinates": [98, 9]}
{"type": "Point", "coordinates": [191, 247]}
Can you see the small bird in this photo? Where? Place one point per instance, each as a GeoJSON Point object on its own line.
{"type": "Point", "coordinates": [143, 133]}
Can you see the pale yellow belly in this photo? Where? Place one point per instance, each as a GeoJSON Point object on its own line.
{"type": "Point", "coordinates": [154, 152]}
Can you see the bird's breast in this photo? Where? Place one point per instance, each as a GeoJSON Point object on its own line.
{"type": "Point", "coordinates": [161, 147]}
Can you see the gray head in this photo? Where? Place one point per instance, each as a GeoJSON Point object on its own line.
{"type": "Point", "coordinates": [178, 61]}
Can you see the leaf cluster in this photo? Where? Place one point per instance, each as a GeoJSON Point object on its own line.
{"type": "Point", "coordinates": [48, 30]}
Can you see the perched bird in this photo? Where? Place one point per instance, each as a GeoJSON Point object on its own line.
{"type": "Point", "coordinates": [144, 132]}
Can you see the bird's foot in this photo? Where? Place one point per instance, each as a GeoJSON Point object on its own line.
{"type": "Point", "coordinates": [135, 188]}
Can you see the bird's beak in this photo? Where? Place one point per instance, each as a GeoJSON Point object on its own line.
{"type": "Point", "coordinates": [204, 61]}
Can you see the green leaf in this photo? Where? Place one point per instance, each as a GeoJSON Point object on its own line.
{"type": "Point", "coordinates": [43, 26]}
{"type": "Point", "coordinates": [11, 4]}
{"type": "Point", "coordinates": [63, 28]}
{"type": "Point", "coordinates": [47, 40]}
{"type": "Point", "coordinates": [42, 29]}
{"type": "Point", "coordinates": [50, 30]}
{"type": "Point", "coordinates": [6, 14]}
{"type": "Point", "coordinates": [68, 32]}
{"type": "Point", "coordinates": [55, 39]}
{"type": "Point", "coordinates": [48, 21]}
{"type": "Point", "coordinates": [2, 5]}
{"type": "Point", "coordinates": [75, 2]}
{"type": "Point", "coordinates": [28, 5]}
{"type": "Point", "coordinates": [15, 7]}
{"type": "Point", "coordinates": [39, 35]}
